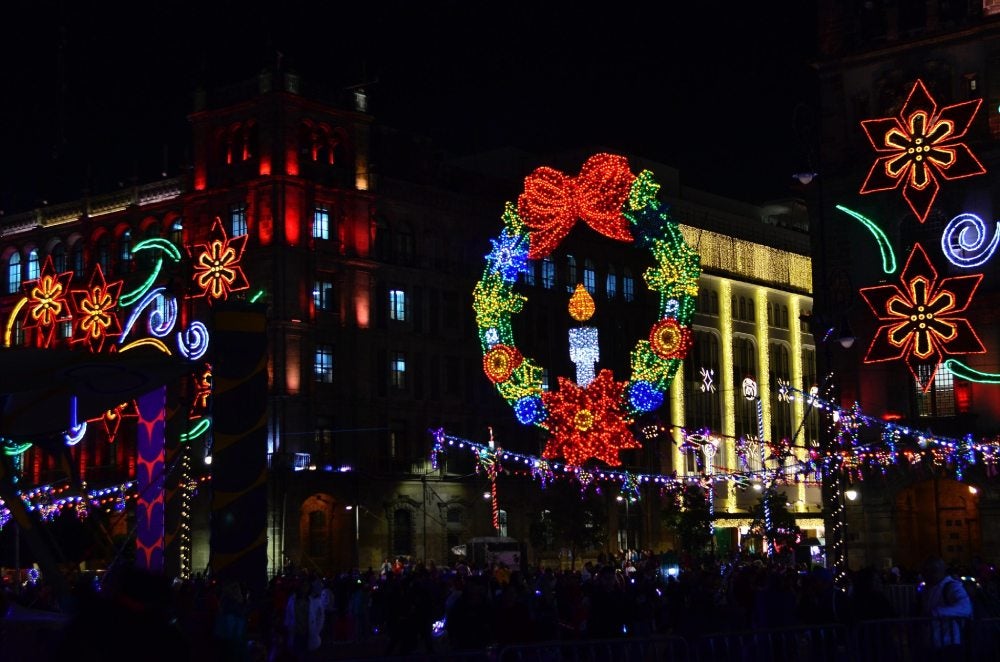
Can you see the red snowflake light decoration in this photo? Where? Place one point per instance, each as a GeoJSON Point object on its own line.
{"type": "Point", "coordinates": [920, 145]}
{"type": "Point", "coordinates": [553, 201]}
{"type": "Point", "coordinates": [921, 318]}
{"type": "Point", "coordinates": [47, 304]}
{"type": "Point", "coordinates": [587, 422]}
{"type": "Point", "coordinates": [217, 270]}
{"type": "Point", "coordinates": [96, 320]}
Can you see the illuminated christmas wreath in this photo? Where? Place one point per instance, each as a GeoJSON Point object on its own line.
{"type": "Point", "coordinates": [587, 421]}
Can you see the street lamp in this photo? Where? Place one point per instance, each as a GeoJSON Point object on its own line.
{"type": "Point", "coordinates": [357, 534]}
{"type": "Point", "coordinates": [621, 498]}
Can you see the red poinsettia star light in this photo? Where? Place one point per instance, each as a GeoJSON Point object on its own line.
{"type": "Point", "coordinates": [217, 270]}
{"type": "Point", "coordinates": [47, 304]}
{"type": "Point", "coordinates": [922, 320]}
{"type": "Point", "coordinates": [96, 318]}
{"type": "Point", "coordinates": [587, 422]}
{"type": "Point", "coordinates": [920, 145]}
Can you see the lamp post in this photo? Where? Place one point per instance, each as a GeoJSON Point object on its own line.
{"type": "Point", "coordinates": [357, 533]}
{"type": "Point", "coordinates": [628, 541]}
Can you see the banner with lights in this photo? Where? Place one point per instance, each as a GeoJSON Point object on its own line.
{"type": "Point", "coordinates": [589, 417]}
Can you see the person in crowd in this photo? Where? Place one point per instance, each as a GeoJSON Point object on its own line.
{"type": "Point", "coordinates": [304, 619]}
{"type": "Point", "coordinates": [944, 599]}
{"type": "Point", "coordinates": [868, 601]}
{"type": "Point", "coordinates": [230, 627]}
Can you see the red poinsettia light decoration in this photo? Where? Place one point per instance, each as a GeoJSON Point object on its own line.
{"type": "Point", "coordinates": [96, 318]}
{"type": "Point", "coordinates": [217, 270]}
{"type": "Point", "coordinates": [919, 146]}
{"type": "Point", "coordinates": [921, 318]}
{"type": "Point", "coordinates": [500, 362]}
{"type": "Point", "coordinates": [587, 422]}
{"type": "Point", "coordinates": [670, 340]}
{"type": "Point", "coordinates": [47, 304]}
{"type": "Point", "coordinates": [553, 201]}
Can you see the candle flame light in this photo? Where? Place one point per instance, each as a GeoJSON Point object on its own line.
{"type": "Point", "coordinates": [581, 304]}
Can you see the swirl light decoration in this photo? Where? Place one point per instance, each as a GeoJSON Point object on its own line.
{"type": "Point", "coordinates": [591, 421]}
{"type": "Point", "coordinates": [966, 241]}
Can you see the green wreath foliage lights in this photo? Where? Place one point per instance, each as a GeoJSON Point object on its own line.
{"type": "Point", "coordinates": [591, 421]}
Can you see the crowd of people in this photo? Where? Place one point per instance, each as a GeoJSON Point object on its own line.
{"type": "Point", "coordinates": [414, 607]}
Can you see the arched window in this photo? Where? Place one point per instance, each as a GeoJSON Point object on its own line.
{"type": "Point", "coordinates": [628, 285]}
{"type": "Point", "coordinates": [58, 254]}
{"type": "Point", "coordinates": [177, 232]}
{"type": "Point", "coordinates": [548, 273]}
{"type": "Point", "coordinates": [744, 365]}
{"type": "Point", "coordinates": [570, 273]}
{"type": "Point", "coordinates": [528, 275]}
{"type": "Point", "coordinates": [125, 252]}
{"type": "Point", "coordinates": [751, 310]}
{"type": "Point", "coordinates": [703, 406]}
{"type": "Point", "coordinates": [76, 259]}
{"type": "Point", "coordinates": [611, 283]}
{"type": "Point", "coordinates": [104, 252]}
{"type": "Point", "coordinates": [34, 271]}
{"type": "Point", "coordinates": [781, 409]}
{"type": "Point", "coordinates": [13, 273]}
{"type": "Point", "coordinates": [784, 317]}
{"type": "Point", "coordinates": [742, 310]}
{"type": "Point", "coordinates": [589, 277]}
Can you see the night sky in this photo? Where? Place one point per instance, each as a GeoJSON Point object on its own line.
{"type": "Point", "coordinates": [97, 94]}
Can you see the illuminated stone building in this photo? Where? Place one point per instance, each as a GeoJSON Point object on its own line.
{"type": "Point", "coordinates": [869, 62]}
{"type": "Point", "coordinates": [363, 245]}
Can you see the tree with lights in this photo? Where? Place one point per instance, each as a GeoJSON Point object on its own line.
{"type": "Point", "coordinates": [571, 519]}
{"type": "Point", "coordinates": [686, 513]}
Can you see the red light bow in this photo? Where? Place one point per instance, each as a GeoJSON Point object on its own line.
{"type": "Point", "coordinates": [552, 202]}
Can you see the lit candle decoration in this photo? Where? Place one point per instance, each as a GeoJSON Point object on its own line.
{"type": "Point", "coordinates": [584, 350]}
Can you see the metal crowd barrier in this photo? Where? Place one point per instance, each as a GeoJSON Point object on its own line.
{"type": "Point", "coordinates": [645, 649]}
{"type": "Point", "coordinates": [891, 640]}
{"type": "Point", "coordinates": [820, 643]}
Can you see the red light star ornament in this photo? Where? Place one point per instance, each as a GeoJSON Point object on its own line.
{"type": "Point", "coordinates": [96, 320]}
{"type": "Point", "coordinates": [921, 318]}
{"type": "Point", "coordinates": [587, 422]}
{"type": "Point", "coordinates": [47, 303]}
{"type": "Point", "coordinates": [112, 418]}
{"type": "Point", "coordinates": [920, 145]}
{"type": "Point", "coordinates": [217, 270]}
{"type": "Point", "coordinates": [552, 202]}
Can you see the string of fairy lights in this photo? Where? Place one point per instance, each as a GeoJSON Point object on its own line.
{"type": "Point", "coordinates": [850, 456]}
